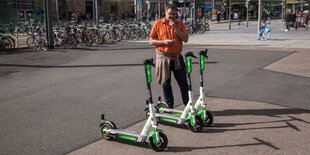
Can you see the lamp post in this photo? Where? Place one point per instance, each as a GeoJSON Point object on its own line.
{"type": "Point", "coordinates": [97, 15]}
{"type": "Point", "coordinates": [229, 27]}
{"type": "Point", "coordinates": [95, 12]}
{"type": "Point", "coordinates": [57, 11]}
{"type": "Point", "coordinates": [148, 10]}
{"type": "Point", "coordinates": [283, 14]}
{"type": "Point", "coordinates": [247, 12]}
{"type": "Point", "coordinates": [159, 13]}
{"type": "Point", "coordinates": [49, 24]}
{"type": "Point", "coordinates": [259, 16]}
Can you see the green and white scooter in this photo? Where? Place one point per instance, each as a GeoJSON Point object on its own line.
{"type": "Point", "coordinates": [200, 105]}
{"type": "Point", "coordinates": [157, 140]}
{"type": "Point", "coordinates": [188, 116]}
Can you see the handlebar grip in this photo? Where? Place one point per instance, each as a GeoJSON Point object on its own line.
{"type": "Point", "coordinates": [204, 53]}
{"type": "Point", "coordinates": [190, 54]}
{"type": "Point", "coordinates": [149, 61]}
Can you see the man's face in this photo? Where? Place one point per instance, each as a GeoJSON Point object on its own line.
{"type": "Point", "coordinates": [170, 14]}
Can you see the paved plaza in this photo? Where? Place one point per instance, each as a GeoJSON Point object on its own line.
{"type": "Point", "coordinates": [258, 91]}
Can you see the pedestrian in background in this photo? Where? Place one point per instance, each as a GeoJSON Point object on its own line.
{"type": "Point", "coordinates": [239, 17]}
{"type": "Point", "coordinates": [305, 18]}
{"type": "Point", "coordinates": [168, 35]}
{"type": "Point", "coordinates": [218, 17]}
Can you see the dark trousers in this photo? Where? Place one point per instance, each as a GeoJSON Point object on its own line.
{"type": "Point", "coordinates": [180, 77]}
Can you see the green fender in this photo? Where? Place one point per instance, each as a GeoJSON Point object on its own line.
{"type": "Point", "coordinates": [202, 114]}
{"type": "Point", "coordinates": [153, 134]}
{"type": "Point", "coordinates": [191, 120]}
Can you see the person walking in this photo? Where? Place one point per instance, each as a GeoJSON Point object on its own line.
{"type": "Point", "coordinates": [306, 19]}
{"type": "Point", "coordinates": [218, 17]}
{"type": "Point", "coordinates": [168, 35]}
{"type": "Point", "coordinates": [239, 18]}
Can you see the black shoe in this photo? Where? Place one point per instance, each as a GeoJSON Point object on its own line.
{"type": "Point", "coordinates": [170, 105]}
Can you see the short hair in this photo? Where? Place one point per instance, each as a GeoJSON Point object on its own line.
{"type": "Point", "coordinates": [172, 7]}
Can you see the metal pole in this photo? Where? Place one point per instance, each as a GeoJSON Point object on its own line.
{"type": "Point", "coordinates": [165, 4]}
{"type": "Point", "coordinates": [57, 11]}
{"type": "Point", "coordinates": [259, 16]}
{"type": "Point", "coordinates": [96, 12]}
{"type": "Point", "coordinates": [183, 12]}
{"type": "Point", "coordinates": [283, 6]}
{"type": "Point", "coordinates": [17, 14]}
{"type": "Point", "coordinates": [159, 13]}
{"type": "Point", "coordinates": [195, 18]}
{"type": "Point", "coordinates": [247, 13]}
{"type": "Point", "coordinates": [212, 5]}
{"type": "Point", "coordinates": [148, 11]}
{"type": "Point", "coordinates": [48, 23]}
{"type": "Point", "coordinates": [229, 27]}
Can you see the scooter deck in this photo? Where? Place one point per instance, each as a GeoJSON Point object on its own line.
{"type": "Point", "coordinates": [172, 110]}
{"type": "Point", "coordinates": [124, 132]}
{"type": "Point", "coordinates": [168, 118]}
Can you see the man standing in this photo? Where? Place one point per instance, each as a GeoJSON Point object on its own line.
{"type": "Point", "coordinates": [168, 35]}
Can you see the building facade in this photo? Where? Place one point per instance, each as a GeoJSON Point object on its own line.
{"type": "Point", "coordinates": [27, 10]}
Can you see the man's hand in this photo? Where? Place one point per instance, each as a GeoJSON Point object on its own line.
{"type": "Point", "coordinates": [183, 36]}
{"type": "Point", "coordinates": [172, 24]}
{"type": "Point", "coordinates": [168, 42]}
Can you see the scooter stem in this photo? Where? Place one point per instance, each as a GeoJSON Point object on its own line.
{"type": "Point", "coordinates": [202, 56]}
{"type": "Point", "coordinates": [148, 75]}
{"type": "Point", "coordinates": [189, 56]}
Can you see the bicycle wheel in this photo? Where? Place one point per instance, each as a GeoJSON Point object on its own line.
{"type": "Point", "coordinates": [70, 42]}
{"type": "Point", "coordinates": [6, 44]}
{"type": "Point", "coordinates": [95, 39]}
{"type": "Point", "coordinates": [44, 43]}
{"type": "Point", "coordinates": [108, 36]}
{"type": "Point", "coordinates": [134, 35]}
{"type": "Point", "coordinates": [266, 35]}
{"type": "Point", "coordinates": [30, 42]}
{"type": "Point", "coordinates": [126, 35]}
{"type": "Point", "coordinates": [12, 41]}
{"type": "Point", "coordinates": [87, 40]}
{"type": "Point", "coordinates": [207, 27]}
{"type": "Point", "coordinates": [201, 29]}
{"type": "Point", "coordinates": [259, 34]}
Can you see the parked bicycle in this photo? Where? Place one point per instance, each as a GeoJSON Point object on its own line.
{"type": "Point", "coordinates": [6, 41]}
{"type": "Point", "coordinates": [37, 40]}
{"type": "Point", "coordinates": [264, 33]}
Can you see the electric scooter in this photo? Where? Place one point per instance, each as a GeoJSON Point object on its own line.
{"type": "Point", "coordinates": [157, 140]}
{"type": "Point", "coordinates": [200, 105]}
{"type": "Point", "coordinates": [188, 116]}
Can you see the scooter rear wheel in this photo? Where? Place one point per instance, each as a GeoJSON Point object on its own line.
{"type": "Point", "coordinates": [161, 105]}
{"type": "Point", "coordinates": [209, 119]}
{"type": "Point", "coordinates": [162, 144]}
{"type": "Point", "coordinates": [107, 126]}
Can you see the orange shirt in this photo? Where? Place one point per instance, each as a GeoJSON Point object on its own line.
{"type": "Point", "coordinates": [162, 30]}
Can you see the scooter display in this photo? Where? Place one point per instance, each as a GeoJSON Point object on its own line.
{"type": "Point", "coordinates": [200, 106]}
{"type": "Point", "coordinates": [155, 137]}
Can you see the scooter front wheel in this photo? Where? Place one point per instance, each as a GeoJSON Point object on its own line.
{"type": "Point", "coordinates": [198, 125]}
{"type": "Point", "coordinates": [162, 144]}
{"type": "Point", "coordinates": [208, 121]}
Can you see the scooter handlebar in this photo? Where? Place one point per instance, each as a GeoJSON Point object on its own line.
{"type": "Point", "coordinates": [190, 54]}
{"type": "Point", "coordinates": [204, 53]}
{"type": "Point", "coordinates": [149, 61]}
